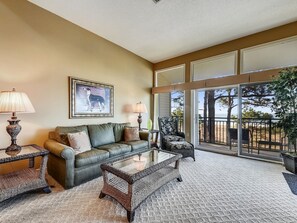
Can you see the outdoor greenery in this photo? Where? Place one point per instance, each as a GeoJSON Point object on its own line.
{"type": "Point", "coordinates": [248, 113]}
{"type": "Point", "coordinates": [177, 103]}
{"type": "Point", "coordinates": [253, 96]}
{"type": "Point", "coordinates": [285, 102]}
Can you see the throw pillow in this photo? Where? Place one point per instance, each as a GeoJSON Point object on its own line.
{"type": "Point", "coordinates": [62, 131]}
{"type": "Point", "coordinates": [62, 138]}
{"type": "Point", "coordinates": [79, 141]}
{"type": "Point", "coordinates": [131, 134]}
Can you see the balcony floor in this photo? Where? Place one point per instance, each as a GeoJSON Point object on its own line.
{"type": "Point", "coordinates": [224, 149]}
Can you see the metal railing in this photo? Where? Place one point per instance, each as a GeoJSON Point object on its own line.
{"type": "Point", "coordinates": [215, 130]}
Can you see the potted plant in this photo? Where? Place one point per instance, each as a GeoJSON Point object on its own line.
{"type": "Point", "coordinates": [285, 107]}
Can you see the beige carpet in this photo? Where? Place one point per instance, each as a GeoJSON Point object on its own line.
{"type": "Point", "coordinates": [215, 188]}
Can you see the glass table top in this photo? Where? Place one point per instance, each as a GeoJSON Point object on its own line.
{"type": "Point", "coordinates": [26, 152]}
{"type": "Point", "coordinates": [139, 162]}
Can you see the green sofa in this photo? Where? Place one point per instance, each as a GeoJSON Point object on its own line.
{"type": "Point", "coordinates": [107, 141]}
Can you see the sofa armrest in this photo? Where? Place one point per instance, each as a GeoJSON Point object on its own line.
{"type": "Point", "coordinates": [59, 149]}
{"type": "Point", "coordinates": [61, 162]}
{"type": "Point", "coordinates": [144, 135]}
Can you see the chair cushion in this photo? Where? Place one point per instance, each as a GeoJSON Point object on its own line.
{"type": "Point", "coordinates": [90, 157]}
{"type": "Point", "coordinates": [101, 134]}
{"type": "Point", "coordinates": [115, 149]}
{"type": "Point", "coordinates": [168, 125]}
{"type": "Point", "coordinates": [170, 138]}
{"type": "Point", "coordinates": [137, 145]}
{"type": "Point", "coordinates": [79, 141]}
{"type": "Point", "coordinates": [179, 145]}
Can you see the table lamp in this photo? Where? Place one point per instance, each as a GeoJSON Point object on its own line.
{"type": "Point", "coordinates": [140, 108]}
{"type": "Point", "coordinates": [13, 102]}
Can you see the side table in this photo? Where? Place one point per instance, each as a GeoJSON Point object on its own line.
{"type": "Point", "coordinates": [154, 143]}
{"type": "Point", "coordinates": [28, 179]}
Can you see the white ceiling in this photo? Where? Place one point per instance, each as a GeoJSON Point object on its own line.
{"type": "Point", "coordinates": [172, 27]}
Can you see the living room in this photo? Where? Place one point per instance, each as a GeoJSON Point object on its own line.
{"type": "Point", "coordinates": [41, 50]}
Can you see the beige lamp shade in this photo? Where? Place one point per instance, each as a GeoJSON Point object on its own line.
{"type": "Point", "coordinates": [140, 108]}
{"type": "Point", "coordinates": [14, 101]}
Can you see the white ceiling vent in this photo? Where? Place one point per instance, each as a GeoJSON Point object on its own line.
{"type": "Point", "coordinates": [156, 1]}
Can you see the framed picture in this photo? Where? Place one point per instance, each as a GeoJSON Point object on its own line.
{"type": "Point", "coordinates": [90, 99]}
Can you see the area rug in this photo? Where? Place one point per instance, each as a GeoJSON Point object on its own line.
{"type": "Point", "coordinates": [215, 188]}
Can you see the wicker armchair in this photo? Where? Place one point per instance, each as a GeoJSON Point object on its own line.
{"type": "Point", "coordinates": [173, 140]}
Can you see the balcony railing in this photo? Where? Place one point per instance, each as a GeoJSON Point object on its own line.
{"type": "Point", "coordinates": [215, 130]}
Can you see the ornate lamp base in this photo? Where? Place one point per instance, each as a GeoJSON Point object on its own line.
{"type": "Point", "coordinates": [139, 120]}
{"type": "Point", "coordinates": [13, 129]}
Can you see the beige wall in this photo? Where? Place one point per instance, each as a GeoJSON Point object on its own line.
{"type": "Point", "coordinates": [38, 51]}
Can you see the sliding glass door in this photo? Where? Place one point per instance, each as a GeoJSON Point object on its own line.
{"type": "Point", "coordinates": [238, 121]}
{"type": "Point", "coordinates": [258, 132]}
{"type": "Point", "coordinates": [215, 114]}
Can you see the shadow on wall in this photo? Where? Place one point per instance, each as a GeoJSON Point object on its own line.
{"type": "Point", "coordinates": [128, 108]}
{"type": "Point", "coordinates": [130, 116]}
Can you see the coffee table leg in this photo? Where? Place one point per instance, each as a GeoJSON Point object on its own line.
{"type": "Point", "coordinates": [130, 215]}
{"type": "Point", "coordinates": [102, 195]}
{"type": "Point", "coordinates": [179, 179]}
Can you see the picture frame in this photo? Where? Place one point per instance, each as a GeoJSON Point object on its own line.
{"type": "Point", "coordinates": [89, 99]}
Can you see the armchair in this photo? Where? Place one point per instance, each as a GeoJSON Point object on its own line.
{"type": "Point", "coordinates": [245, 134]}
{"type": "Point", "coordinates": [173, 140]}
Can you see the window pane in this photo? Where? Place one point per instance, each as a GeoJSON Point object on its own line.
{"type": "Point", "coordinates": [218, 66]}
{"type": "Point", "coordinates": [164, 104]}
{"type": "Point", "coordinates": [172, 104]}
{"type": "Point", "coordinates": [170, 76]}
{"type": "Point", "coordinates": [268, 56]}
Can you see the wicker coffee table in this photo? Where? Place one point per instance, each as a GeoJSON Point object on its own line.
{"type": "Point", "coordinates": [131, 180]}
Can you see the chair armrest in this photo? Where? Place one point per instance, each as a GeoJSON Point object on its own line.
{"type": "Point", "coordinates": [59, 149]}
{"type": "Point", "coordinates": [181, 134]}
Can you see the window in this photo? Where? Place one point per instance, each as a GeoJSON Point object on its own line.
{"type": "Point", "coordinates": [173, 75]}
{"type": "Point", "coordinates": [213, 67]}
{"type": "Point", "coordinates": [278, 54]}
{"type": "Point", "coordinates": [170, 104]}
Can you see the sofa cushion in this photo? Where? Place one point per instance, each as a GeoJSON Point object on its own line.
{"type": "Point", "coordinates": [90, 157]}
{"type": "Point", "coordinates": [118, 130]}
{"type": "Point", "coordinates": [62, 131]}
{"type": "Point", "coordinates": [116, 149]}
{"type": "Point", "coordinates": [79, 141]}
{"type": "Point", "coordinates": [137, 145]}
{"type": "Point", "coordinates": [101, 134]}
